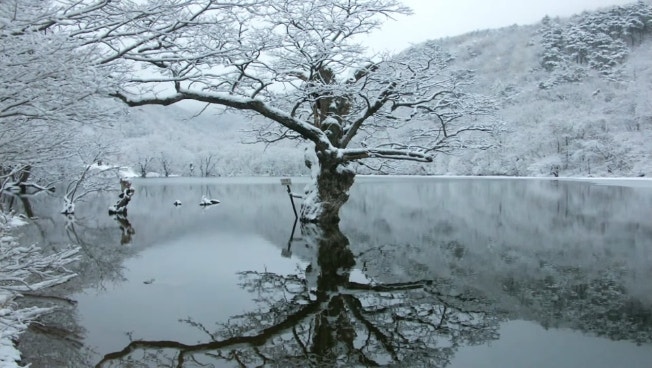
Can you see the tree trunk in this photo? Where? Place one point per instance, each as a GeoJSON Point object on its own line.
{"type": "Point", "coordinates": [24, 174]}
{"type": "Point", "coordinates": [329, 191]}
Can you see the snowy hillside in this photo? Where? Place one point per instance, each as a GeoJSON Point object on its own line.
{"type": "Point", "coordinates": [597, 123]}
{"type": "Point", "coordinates": [574, 98]}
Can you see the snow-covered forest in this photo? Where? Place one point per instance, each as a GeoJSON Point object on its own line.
{"type": "Point", "coordinates": [584, 83]}
{"type": "Point", "coordinates": [574, 100]}
{"type": "Point", "coordinates": [169, 88]}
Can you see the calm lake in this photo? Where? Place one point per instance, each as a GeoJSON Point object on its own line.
{"type": "Point", "coordinates": [422, 272]}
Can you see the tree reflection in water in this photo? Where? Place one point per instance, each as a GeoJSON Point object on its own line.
{"type": "Point", "coordinates": [320, 317]}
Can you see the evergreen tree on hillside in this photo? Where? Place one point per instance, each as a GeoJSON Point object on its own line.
{"type": "Point", "coordinates": [638, 22]}
{"type": "Point", "coordinates": [607, 53]}
{"type": "Point", "coordinates": [578, 45]}
{"type": "Point", "coordinates": [553, 42]}
{"type": "Point", "coordinates": [600, 40]}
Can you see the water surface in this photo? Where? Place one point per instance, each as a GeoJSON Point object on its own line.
{"type": "Point", "coordinates": [421, 272]}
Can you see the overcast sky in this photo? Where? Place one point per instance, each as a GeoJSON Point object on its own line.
{"type": "Point", "coordinates": [434, 19]}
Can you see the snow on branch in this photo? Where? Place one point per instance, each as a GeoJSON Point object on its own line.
{"type": "Point", "coordinates": [93, 178]}
{"type": "Point", "coordinates": [398, 153]}
{"type": "Point", "coordinates": [15, 180]}
{"type": "Point", "coordinates": [305, 129]}
{"type": "Point", "coordinates": [50, 83]}
{"type": "Point", "coordinates": [25, 269]}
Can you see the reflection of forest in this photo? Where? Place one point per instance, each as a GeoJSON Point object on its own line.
{"type": "Point", "coordinates": [563, 254]}
{"type": "Point", "coordinates": [320, 317]}
{"type": "Point", "coordinates": [447, 260]}
{"type": "Point", "coordinates": [443, 276]}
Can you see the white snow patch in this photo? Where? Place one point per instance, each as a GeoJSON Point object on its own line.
{"type": "Point", "coordinates": [11, 221]}
{"type": "Point", "coordinates": [311, 207]}
{"type": "Point", "coordinates": [102, 167]}
{"type": "Point", "coordinates": [310, 157]}
{"type": "Point", "coordinates": [344, 169]}
{"type": "Point", "coordinates": [9, 355]}
{"type": "Point", "coordinates": [127, 172]}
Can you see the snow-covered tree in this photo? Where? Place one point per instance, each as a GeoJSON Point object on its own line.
{"type": "Point", "coordinates": [167, 164]}
{"type": "Point", "coordinates": [552, 41]}
{"type": "Point", "coordinates": [144, 165]}
{"type": "Point", "coordinates": [599, 40]}
{"type": "Point", "coordinates": [607, 53]}
{"type": "Point", "coordinates": [299, 65]}
{"type": "Point", "coordinates": [24, 269]}
{"type": "Point", "coordinates": [638, 22]}
{"type": "Point", "coordinates": [207, 165]}
{"type": "Point", "coordinates": [50, 83]}
{"type": "Point", "coordinates": [93, 177]}
{"type": "Point", "coordinates": [578, 45]}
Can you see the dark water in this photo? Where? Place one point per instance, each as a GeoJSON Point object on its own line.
{"type": "Point", "coordinates": [421, 272]}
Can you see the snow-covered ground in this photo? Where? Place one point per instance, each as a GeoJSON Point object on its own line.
{"type": "Point", "coordinates": [19, 265]}
{"type": "Point", "coordinates": [123, 171]}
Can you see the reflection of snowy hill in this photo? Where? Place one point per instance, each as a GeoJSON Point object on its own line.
{"type": "Point", "coordinates": [561, 253]}
{"type": "Point", "coordinates": [577, 251]}
{"type": "Point", "coordinates": [489, 224]}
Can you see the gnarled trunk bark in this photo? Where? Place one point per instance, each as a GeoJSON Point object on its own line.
{"type": "Point", "coordinates": [329, 190]}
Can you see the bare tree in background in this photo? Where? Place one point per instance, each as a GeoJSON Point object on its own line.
{"type": "Point", "coordinates": [166, 164]}
{"type": "Point", "coordinates": [144, 165]}
{"type": "Point", "coordinates": [207, 165]}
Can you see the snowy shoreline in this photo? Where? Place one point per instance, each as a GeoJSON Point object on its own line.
{"type": "Point", "coordinates": [617, 181]}
{"type": "Point", "coordinates": [18, 266]}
